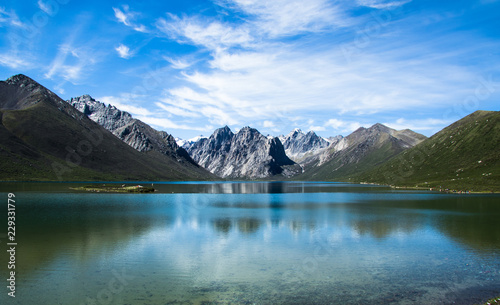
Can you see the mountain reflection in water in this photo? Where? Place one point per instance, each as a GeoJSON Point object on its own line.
{"type": "Point", "coordinates": [269, 236]}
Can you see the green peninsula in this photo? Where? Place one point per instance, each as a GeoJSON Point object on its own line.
{"type": "Point", "coordinates": [113, 188]}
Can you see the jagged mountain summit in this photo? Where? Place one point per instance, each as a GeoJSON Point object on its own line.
{"type": "Point", "coordinates": [20, 92]}
{"type": "Point", "coordinates": [134, 132]}
{"type": "Point", "coordinates": [245, 155]}
{"type": "Point", "coordinates": [304, 148]}
{"type": "Point", "coordinates": [42, 137]}
{"type": "Point", "coordinates": [362, 150]}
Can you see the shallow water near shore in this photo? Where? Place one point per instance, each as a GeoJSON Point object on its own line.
{"type": "Point", "coordinates": [252, 243]}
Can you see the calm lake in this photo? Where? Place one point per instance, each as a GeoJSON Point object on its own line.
{"type": "Point", "coordinates": [251, 243]}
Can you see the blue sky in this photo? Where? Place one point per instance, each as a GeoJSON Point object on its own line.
{"type": "Point", "coordinates": [189, 67]}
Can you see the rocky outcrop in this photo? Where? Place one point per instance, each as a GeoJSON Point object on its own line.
{"type": "Point", "coordinates": [134, 132]}
{"type": "Point", "coordinates": [244, 155]}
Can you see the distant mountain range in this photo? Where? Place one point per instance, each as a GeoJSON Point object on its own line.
{"type": "Point", "coordinates": [46, 138]}
{"type": "Point", "coordinates": [360, 151]}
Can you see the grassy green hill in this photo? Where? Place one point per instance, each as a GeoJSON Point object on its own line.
{"type": "Point", "coordinates": [463, 156]}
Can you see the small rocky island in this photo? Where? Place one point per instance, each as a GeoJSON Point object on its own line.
{"type": "Point", "coordinates": [114, 188]}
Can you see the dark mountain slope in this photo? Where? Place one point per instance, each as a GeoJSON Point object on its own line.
{"type": "Point", "coordinates": [45, 138]}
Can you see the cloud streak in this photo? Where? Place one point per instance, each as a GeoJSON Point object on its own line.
{"type": "Point", "coordinates": [288, 17]}
{"type": "Point", "coordinates": [210, 34]}
{"type": "Point", "coordinates": [14, 62]}
{"type": "Point", "coordinates": [127, 102]}
{"type": "Point", "coordinates": [382, 4]}
{"type": "Point", "coordinates": [10, 18]}
{"type": "Point", "coordinates": [47, 7]}
{"type": "Point", "coordinates": [125, 16]}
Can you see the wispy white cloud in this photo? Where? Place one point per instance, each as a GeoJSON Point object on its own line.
{"type": "Point", "coordinates": [264, 83]}
{"type": "Point", "coordinates": [71, 63]}
{"type": "Point", "coordinates": [268, 19]}
{"type": "Point", "coordinates": [50, 8]}
{"type": "Point", "coordinates": [178, 64]}
{"type": "Point", "coordinates": [140, 28]}
{"type": "Point", "coordinates": [127, 102]}
{"type": "Point", "coordinates": [123, 51]}
{"type": "Point", "coordinates": [289, 17]}
{"type": "Point", "coordinates": [210, 34]}
{"type": "Point", "coordinates": [74, 61]}
{"type": "Point", "coordinates": [166, 124]}
{"type": "Point", "coordinates": [58, 64]}
{"type": "Point", "coordinates": [219, 116]}
{"type": "Point", "coordinates": [177, 110]}
{"type": "Point", "coordinates": [241, 61]}
{"type": "Point", "coordinates": [341, 126]}
{"type": "Point", "coordinates": [420, 125]}
{"type": "Point", "coordinates": [317, 128]}
{"type": "Point", "coordinates": [121, 16]}
{"type": "Point", "coordinates": [14, 62]}
{"type": "Point", "coordinates": [268, 124]}
{"type": "Point", "coordinates": [193, 97]}
{"type": "Point", "coordinates": [125, 16]}
{"type": "Point", "coordinates": [383, 4]}
{"type": "Point", "coordinates": [10, 18]}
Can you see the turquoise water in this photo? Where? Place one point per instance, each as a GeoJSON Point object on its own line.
{"type": "Point", "coordinates": [252, 243]}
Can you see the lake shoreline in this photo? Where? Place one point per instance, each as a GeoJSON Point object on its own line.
{"type": "Point", "coordinates": [447, 191]}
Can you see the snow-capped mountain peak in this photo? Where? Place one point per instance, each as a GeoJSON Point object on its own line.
{"type": "Point", "coordinates": [187, 143]}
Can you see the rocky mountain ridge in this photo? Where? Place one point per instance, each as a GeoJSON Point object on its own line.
{"type": "Point", "coordinates": [297, 144]}
{"type": "Point", "coordinates": [245, 155]}
{"type": "Point", "coordinates": [135, 133]}
{"type": "Point", "coordinates": [306, 148]}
